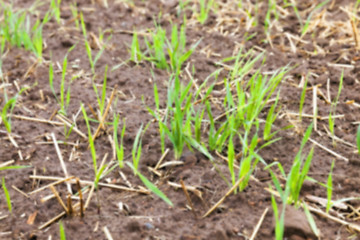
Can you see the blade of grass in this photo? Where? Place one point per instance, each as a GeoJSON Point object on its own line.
{"type": "Point", "coordinates": [150, 185]}
{"type": "Point", "coordinates": [7, 195]}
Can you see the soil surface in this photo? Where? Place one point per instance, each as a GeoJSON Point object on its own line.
{"type": "Point", "coordinates": [326, 50]}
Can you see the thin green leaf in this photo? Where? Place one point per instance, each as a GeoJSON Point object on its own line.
{"type": "Point", "coordinates": [150, 185]}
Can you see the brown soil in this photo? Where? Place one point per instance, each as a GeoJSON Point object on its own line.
{"type": "Point", "coordinates": [320, 55]}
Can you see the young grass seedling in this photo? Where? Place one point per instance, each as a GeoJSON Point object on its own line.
{"type": "Point", "coordinates": [101, 99]}
{"type": "Point", "coordinates": [271, 11]}
{"type": "Point", "coordinates": [156, 48]}
{"type": "Point", "coordinates": [97, 171]}
{"type": "Point", "coordinates": [91, 141]}
{"type": "Point", "coordinates": [55, 7]}
{"type": "Point", "coordinates": [8, 109]}
{"type": "Point", "coordinates": [205, 7]}
{"type": "Point", "coordinates": [157, 111]}
{"type": "Point", "coordinates": [6, 113]}
{"type": "Point", "coordinates": [302, 98]}
{"type": "Point", "coordinates": [298, 172]}
{"type": "Point", "coordinates": [150, 185]}
{"type": "Point", "coordinates": [329, 188]}
{"type": "Point", "coordinates": [64, 100]}
{"type": "Point", "coordinates": [119, 149]}
{"type": "Point", "coordinates": [62, 231]}
{"type": "Point", "coordinates": [294, 182]}
{"type": "Point", "coordinates": [175, 48]}
{"type": "Point", "coordinates": [7, 195]}
{"type": "Point", "coordinates": [311, 220]}
{"type": "Point", "coordinates": [279, 220]}
{"type": "Point", "coordinates": [136, 54]}
{"type": "Point", "coordinates": [307, 23]}
{"type": "Point", "coordinates": [13, 167]}
{"type": "Point", "coordinates": [270, 119]}
{"type": "Point", "coordinates": [136, 155]}
{"type": "Point", "coordinates": [16, 29]}
{"type": "Point", "coordinates": [178, 112]}
{"type": "Point", "coordinates": [333, 109]}
{"type": "Point", "coordinates": [137, 148]}
{"type": "Point", "coordinates": [92, 60]}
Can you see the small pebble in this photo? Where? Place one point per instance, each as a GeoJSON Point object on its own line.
{"type": "Point", "coordinates": [149, 226]}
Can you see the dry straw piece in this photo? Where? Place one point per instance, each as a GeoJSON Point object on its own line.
{"type": "Point", "coordinates": [223, 198]}
{"type": "Point", "coordinates": [62, 163]}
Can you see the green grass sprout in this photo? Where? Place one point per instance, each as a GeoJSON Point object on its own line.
{"type": "Point", "coordinates": [119, 149]}
{"type": "Point", "coordinates": [7, 195]}
{"type": "Point", "coordinates": [329, 188]}
{"type": "Point", "coordinates": [205, 7]}
{"type": "Point", "coordinates": [55, 7]}
{"type": "Point", "coordinates": [307, 23]}
{"type": "Point", "coordinates": [302, 98]}
{"type": "Point", "coordinates": [311, 220]}
{"type": "Point", "coordinates": [8, 109]}
{"type": "Point", "coordinates": [333, 109]}
{"type": "Point", "coordinates": [65, 96]}
{"type": "Point", "coordinates": [16, 29]}
{"type": "Point", "coordinates": [101, 99]}
{"type": "Point", "coordinates": [91, 141]}
{"type": "Point", "coordinates": [157, 111]}
{"type": "Point", "coordinates": [150, 185]}
{"type": "Point", "coordinates": [92, 60]}
{"type": "Point", "coordinates": [176, 124]}
{"type": "Point", "coordinates": [75, 14]}
{"type": "Point", "coordinates": [62, 231]}
{"type": "Point", "coordinates": [298, 173]}
{"type": "Point", "coordinates": [279, 219]}
{"type": "Point", "coordinates": [160, 47]}
{"type": "Point", "coordinates": [156, 48]}
{"type": "Point", "coordinates": [135, 51]}
{"type": "Point", "coordinates": [137, 148]}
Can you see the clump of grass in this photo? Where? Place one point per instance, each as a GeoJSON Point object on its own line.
{"type": "Point", "coordinates": [178, 115]}
{"type": "Point", "coordinates": [160, 47]}
{"type": "Point", "coordinates": [205, 7]}
{"type": "Point", "coordinates": [15, 29]}
{"type": "Point", "coordinates": [244, 106]}
{"type": "Point", "coordinates": [55, 8]}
